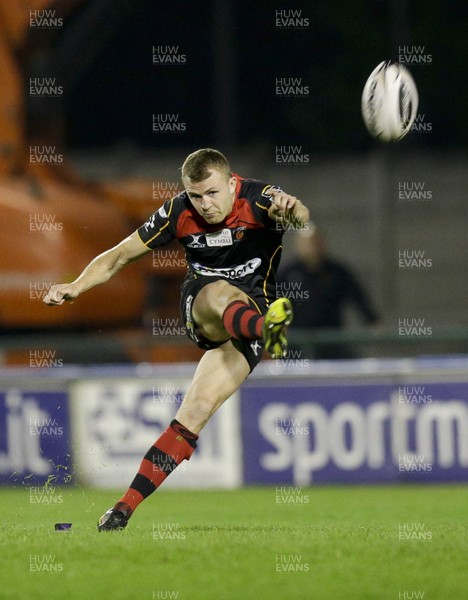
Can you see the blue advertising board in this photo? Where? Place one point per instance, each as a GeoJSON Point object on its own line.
{"type": "Point", "coordinates": [34, 437]}
{"type": "Point", "coordinates": [355, 433]}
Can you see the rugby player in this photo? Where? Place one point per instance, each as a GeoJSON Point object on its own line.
{"type": "Point", "coordinates": [231, 229]}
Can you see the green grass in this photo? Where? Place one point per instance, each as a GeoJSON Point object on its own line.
{"type": "Point", "coordinates": [344, 539]}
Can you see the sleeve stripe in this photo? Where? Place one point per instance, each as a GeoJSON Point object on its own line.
{"type": "Point", "coordinates": [159, 233]}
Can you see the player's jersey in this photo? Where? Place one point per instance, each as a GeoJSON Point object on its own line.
{"type": "Point", "coordinates": [245, 248]}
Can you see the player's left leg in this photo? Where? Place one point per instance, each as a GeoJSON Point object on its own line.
{"type": "Point", "coordinates": [220, 372]}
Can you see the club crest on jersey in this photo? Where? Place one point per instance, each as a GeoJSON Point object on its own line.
{"type": "Point", "coordinates": [195, 243]}
{"type": "Point", "coordinates": [239, 232]}
{"type": "Point", "coordinates": [219, 238]}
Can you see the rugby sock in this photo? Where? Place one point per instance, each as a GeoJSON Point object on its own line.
{"type": "Point", "coordinates": [242, 321]}
{"type": "Point", "coordinates": [168, 451]}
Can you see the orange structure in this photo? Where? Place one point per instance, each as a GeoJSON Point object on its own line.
{"type": "Point", "coordinates": [52, 222]}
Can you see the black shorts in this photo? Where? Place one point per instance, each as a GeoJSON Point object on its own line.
{"type": "Point", "coordinates": [251, 349]}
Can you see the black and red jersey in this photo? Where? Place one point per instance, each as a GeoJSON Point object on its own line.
{"type": "Point", "coordinates": [245, 248]}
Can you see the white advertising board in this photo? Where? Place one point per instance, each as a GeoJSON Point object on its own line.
{"type": "Point", "coordinates": [115, 421]}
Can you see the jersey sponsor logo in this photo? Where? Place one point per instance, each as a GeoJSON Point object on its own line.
{"type": "Point", "coordinates": [229, 272]}
{"type": "Point", "coordinates": [162, 212]}
{"type": "Point", "coordinates": [195, 243]}
{"type": "Point", "coordinates": [219, 238]}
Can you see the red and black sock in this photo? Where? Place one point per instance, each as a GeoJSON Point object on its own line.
{"type": "Point", "coordinates": [242, 321]}
{"type": "Point", "coordinates": [175, 445]}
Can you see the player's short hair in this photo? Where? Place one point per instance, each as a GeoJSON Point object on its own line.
{"type": "Point", "coordinates": [197, 165]}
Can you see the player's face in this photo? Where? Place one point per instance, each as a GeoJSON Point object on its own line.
{"type": "Point", "coordinates": [212, 198]}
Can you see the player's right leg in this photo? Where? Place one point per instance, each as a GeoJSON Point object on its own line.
{"type": "Point", "coordinates": [219, 374]}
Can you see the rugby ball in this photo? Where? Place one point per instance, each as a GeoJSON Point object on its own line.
{"type": "Point", "coordinates": [389, 102]}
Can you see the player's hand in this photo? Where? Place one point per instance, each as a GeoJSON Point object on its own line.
{"type": "Point", "coordinates": [59, 293]}
{"type": "Point", "coordinates": [282, 206]}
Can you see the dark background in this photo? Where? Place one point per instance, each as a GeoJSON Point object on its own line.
{"type": "Point", "coordinates": [234, 54]}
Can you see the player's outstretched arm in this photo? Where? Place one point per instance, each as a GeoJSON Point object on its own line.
{"type": "Point", "coordinates": [288, 209]}
{"type": "Point", "coordinates": [99, 270]}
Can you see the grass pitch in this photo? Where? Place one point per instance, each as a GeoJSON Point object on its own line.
{"type": "Point", "coordinates": [328, 543]}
